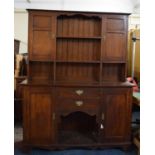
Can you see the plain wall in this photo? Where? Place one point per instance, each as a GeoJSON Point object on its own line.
{"type": "Point", "coordinates": [21, 30]}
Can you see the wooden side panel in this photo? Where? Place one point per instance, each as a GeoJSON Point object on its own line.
{"type": "Point", "coordinates": [118, 114]}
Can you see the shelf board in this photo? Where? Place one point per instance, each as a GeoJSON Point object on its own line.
{"type": "Point", "coordinates": [73, 83]}
{"type": "Point", "coordinates": [41, 61]}
{"type": "Point", "coordinates": [79, 37]}
{"type": "Point", "coordinates": [113, 62]}
{"type": "Point", "coordinates": [41, 29]}
{"type": "Point", "coordinates": [69, 61]}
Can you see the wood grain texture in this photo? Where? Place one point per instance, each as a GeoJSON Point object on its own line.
{"type": "Point", "coordinates": [78, 26]}
{"type": "Point", "coordinates": [76, 83]}
{"type": "Point", "coordinates": [118, 115]}
{"type": "Point", "coordinates": [41, 72]}
{"type": "Point", "coordinates": [40, 109]}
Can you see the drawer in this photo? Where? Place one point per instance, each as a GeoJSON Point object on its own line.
{"type": "Point", "coordinates": [84, 105]}
{"type": "Point", "coordinates": [78, 92]}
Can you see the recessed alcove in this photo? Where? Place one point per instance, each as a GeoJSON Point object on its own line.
{"type": "Point", "coordinates": [77, 128]}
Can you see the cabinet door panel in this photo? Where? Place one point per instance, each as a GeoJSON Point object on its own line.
{"type": "Point", "coordinates": [40, 107]}
{"type": "Point", "coordinates": [42, 44]}
{"type": "Point", "coordinates": [115, 46]}
{"type": "Point", "coordinates": [115, 43]}
{"type": "Point", "coordinates": [118, 114]}
{"type": "Point", "coordinates": [41, 21]}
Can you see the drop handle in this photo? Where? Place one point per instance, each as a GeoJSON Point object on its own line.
{"type": "Point", "coordinates": [79, 103]}
{"type": "Point", "coordinates": [101, 126]}
{"type": "Point", "coordinates": [79, 92]}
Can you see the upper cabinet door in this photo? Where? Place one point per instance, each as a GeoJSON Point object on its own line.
{"type": "Point", "coordinates": [114, 42]}
{"type": "Point", "coordinates": [42, 36]}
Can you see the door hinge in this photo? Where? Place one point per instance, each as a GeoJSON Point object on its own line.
{"type": "Point", "coordinates": [53, 116]}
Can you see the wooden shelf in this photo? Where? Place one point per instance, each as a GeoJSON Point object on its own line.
{"type": "Point", "coordinates": [70, 61]}
{"type": "Point", "coordinates": [41, 61]}
{"type": "Point", "coordinates": [78, 37]}
{"type": "Point", "coordinates": [73, 83]}
{"type": "Point", "coordinates": [113, 62]}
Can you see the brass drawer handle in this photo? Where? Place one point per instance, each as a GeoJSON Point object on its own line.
{"type": "Point", "coordinates": [79, 92]}
{"type": "Point", "coordinates": [79, 103]}
{"type": "Point", "coordinates": [101, 126]}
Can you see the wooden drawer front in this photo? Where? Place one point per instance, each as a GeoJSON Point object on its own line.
{"type": "Point", "coordinates": [84, 105]}
{"type": "Point", "coordinates": [78, 93]}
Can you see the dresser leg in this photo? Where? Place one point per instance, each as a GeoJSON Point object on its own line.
{"type": "Point", "coordinates": [126, 148]}
{"type": "Point", "coordinates": [26, 149]}
{"type": "Point", "coordinates": [23, 148]}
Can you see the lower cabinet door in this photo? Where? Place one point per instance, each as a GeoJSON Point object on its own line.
{"type": "Point", "coordinates": [41, 128]}
{"type": "Point", "coordinates": [117, 103]}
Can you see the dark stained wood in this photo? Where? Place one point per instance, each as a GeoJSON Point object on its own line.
{"type": "Point", "coordinates": [67, 106]}
{"type": "Point", "coordinates": [42, 37]}
{"type": "Point", "coordinates": [87, 73]}
{"type": "Point", "coordinates": [78, 50]}
{"type": "Point", "coordinates": [18, 100]}
{"type": "Point", "coordinates": [40, 110]}
{"type": "Point", "coordinates": [41, 72]}
{"type": "Point", "coordinates": [79, 25]}
{"type": "Point", "coordinates": [117, 114]}
{"type": "Point", "coordinates": [78, 92]}
{"type": "Point", "coordinates": [113, 72]}
{"type": "Point", "coordinates": [115, 42]}
{"type": "Point", "coordinates": [76, 86]}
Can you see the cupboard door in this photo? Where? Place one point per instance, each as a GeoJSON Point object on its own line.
{"type": "Point", "coordinates": [41, 128]}
{"type": "Point", "coordinates": [115, 38]}
{"type": "Point", "coordinates": [42, 31]}
{"type": "Point", "coordinates": [117, 114]}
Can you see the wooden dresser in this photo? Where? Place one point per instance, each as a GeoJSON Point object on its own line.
{"type": "Point", "coordinates": [76, 94]}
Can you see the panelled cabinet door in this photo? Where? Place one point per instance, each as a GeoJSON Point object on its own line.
{"type": "Point", "coordinates": [42, 34]}
{"type": "Point", "coordinates": [115, 38]}
{"type": "Point", "coordinates": [118, 114]}
{"type": "Point", "coordinates": [41, 127]}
